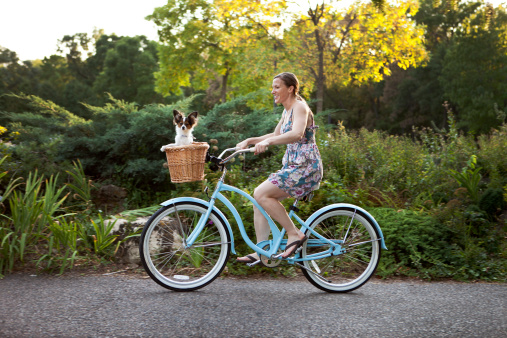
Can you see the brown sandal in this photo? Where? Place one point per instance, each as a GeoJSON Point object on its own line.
{"type": "Point", "coordinates": [296, 244]}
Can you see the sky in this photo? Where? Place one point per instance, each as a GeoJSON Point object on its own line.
{"type": "Point", "coordinates": [32, 28]}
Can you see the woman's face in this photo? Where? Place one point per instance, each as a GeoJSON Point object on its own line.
{"type": "Point", "coordinates": [280, 91]}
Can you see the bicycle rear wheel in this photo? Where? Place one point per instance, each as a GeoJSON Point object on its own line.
{"type": "Point", "coordinates": [167, 260]}
{"type": "Point", "coordinates": [360, 255]}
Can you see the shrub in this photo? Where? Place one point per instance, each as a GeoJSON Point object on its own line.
{"type": "Point", "coordinates": [491, 202]}
{"type": "Point", "coordinates": [493, 156]}
{"type": "Point", "coordinates": [418, 244]}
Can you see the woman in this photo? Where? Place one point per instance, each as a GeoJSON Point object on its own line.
{"type": "Point", "coordinates": [302, 166]}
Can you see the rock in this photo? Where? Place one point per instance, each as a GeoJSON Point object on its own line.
{"type": "Point", "coordinates": [110, 198]}
{"type": "Point", "coordinates": [128, 252]}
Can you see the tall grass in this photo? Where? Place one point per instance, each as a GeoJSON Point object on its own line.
{"type": "Point", "coordinates": [32, 209]}
{"type": "Point", "coordinates": [39, 222]}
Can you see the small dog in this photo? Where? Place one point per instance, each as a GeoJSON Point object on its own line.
{"type": "Point", "coordinates": [184, 127]}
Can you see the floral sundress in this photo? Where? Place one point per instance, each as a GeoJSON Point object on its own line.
{"type": "Point", "coordinates": [302, 165]}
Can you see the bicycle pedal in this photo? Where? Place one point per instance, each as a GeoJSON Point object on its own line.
{"type": "Point", "coordinates": [254, 263]}
{"type": "Point", "coordinates": [279, 256]}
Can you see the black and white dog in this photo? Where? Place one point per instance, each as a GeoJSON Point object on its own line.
{"type": "Point", "coordinates": [184, 127]}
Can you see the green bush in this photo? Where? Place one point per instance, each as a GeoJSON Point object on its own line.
{"type": "Point", "coordinates": [493, 156]}
{"type": "Point", "coordinates": [491, 202]}
{"type": "Point", "coordinates": [418, 244]}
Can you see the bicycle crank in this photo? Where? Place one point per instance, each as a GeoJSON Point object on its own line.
{"type": "Point", "coordinates": [270, 262]}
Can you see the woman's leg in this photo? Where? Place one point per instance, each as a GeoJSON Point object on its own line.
{"type": "Point", "coordinates": [269, 196]}
{"type": "Point", "coordinates": [262, 232]}
{"type": "Point", "coordinates": [261, 224]}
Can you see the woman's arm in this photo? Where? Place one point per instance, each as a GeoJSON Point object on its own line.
{"type": "Point", "coordinates": [254, 140]}
{"type": "Point", "coordinates": [299, 121]}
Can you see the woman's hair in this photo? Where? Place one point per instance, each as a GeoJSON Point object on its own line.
{"type": "Point", "coordinates": [290, 80]}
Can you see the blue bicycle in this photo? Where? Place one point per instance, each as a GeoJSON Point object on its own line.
{"type": "Point", "coordinates": [185, 245]}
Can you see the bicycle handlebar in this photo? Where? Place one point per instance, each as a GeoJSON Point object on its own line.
{"type": "Point", "coordinates": [230, 149]}
{"type": "Point", "coordinates": [236, 152]}
{"type": "Point", "coordinates": [220, 161]}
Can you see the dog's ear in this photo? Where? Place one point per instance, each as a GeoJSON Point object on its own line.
{"type": "Point", "coordinates": [193, 114]}
{"type": "Point", "coordinates": [177, 116]}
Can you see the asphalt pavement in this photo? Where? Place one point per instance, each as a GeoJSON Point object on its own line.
{"type": "Point", "coordinates": [130, 306]}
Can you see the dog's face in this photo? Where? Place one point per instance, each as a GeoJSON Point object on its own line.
{"type": "Point", "coordinates": [183, 122]}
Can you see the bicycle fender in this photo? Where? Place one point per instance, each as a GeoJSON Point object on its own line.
{"type": "Point", "coordinates": [350, 206]}
{"type": "Point", "coordinates": [206, 205]}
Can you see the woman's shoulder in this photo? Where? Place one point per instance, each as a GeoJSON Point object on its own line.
{"type": "Point", "coordinates": [301, 109]}
{"type": "Point", "coordinates": [301, 106]}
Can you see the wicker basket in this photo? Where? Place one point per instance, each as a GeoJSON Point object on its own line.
{"type": "Point", "coordinates": [186, 163]}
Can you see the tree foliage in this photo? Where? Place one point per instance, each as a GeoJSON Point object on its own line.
{"type": "Point", "coordinates": [474, 74]}
{"type": "Point", "coordinates": [355, 46]}
{"type": "Point", "coordinates": [128, 70]}
{"type": "Point", "coordinates": [466, 43]}
{"type": "Point", "coordinates": [123, 66]}
{"type": "Point", "coordinates": [366, 63]}
{"type": "Point", "coordinates": [204, 42]}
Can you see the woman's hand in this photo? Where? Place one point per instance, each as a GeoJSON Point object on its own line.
{"type": "Point", "coordinates": [261, 147]}
{"type": "Point", "coordinates": [242, 145]}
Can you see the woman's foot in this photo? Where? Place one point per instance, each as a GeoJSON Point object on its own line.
{"type": "Point", "coordinates": [293, 244]}
{"type": "Point", "coordinates": [252, 258]}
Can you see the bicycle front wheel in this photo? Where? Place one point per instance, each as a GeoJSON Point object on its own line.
{"type": "Point", "coordinates": [165, 256]}
{"type": "Point", "coordinates": [359, 256]}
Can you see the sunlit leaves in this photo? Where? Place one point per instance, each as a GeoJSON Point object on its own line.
{"type": "Point", "coordinates": [207, 42]}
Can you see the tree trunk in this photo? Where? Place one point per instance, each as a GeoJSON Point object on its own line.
{"type": "Point", "coordinates": [320, 78]}
{"type": "Point", "coordinates": [321, 81]}
{"type": "Point", "coordinates": [223, 90]}
{"type": "Point", "coordinates": [275, 66]}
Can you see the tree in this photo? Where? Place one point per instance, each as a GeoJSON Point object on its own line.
{"type": "Point", "coordinates": [15, 77]}
{"type": "Point", "coordinates": [355, 46]}
{"type": "Point", "coordinates": [103, 43]}
{"type": "Point", "coordinates": [474, 74]}
{"type": "Point", "coordinates": [204, 42]}
{"type": "Point", "coordinates": [73, 46]}
{"type": "Point", "coordinates": [128, 70]}
{"type": "Point", "coordinates": [443, 19]}
{"type": "Point", "coordinates": [415, 96]}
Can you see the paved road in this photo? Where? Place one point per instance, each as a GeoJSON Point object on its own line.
{"type": "Point", "coordinates": [119, 306]}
